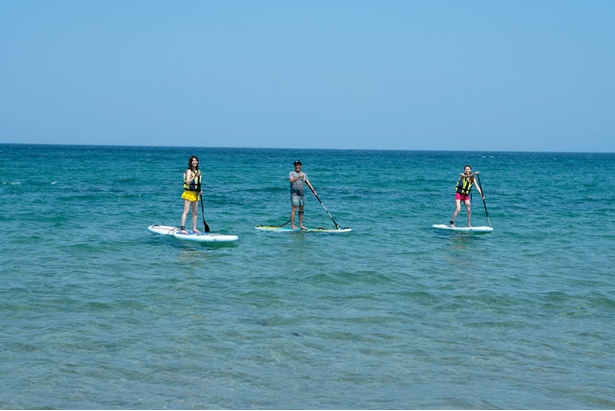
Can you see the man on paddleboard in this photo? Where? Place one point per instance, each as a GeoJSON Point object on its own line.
{"type": "Point", "coordinates": [297, 193]}
{"type": "Point", "coordinates": [464, 186]}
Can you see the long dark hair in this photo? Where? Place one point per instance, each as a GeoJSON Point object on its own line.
{"type": "Point", "coordinates": [464, 171]}
{"type": "Point", "coordinates": [190, 162]}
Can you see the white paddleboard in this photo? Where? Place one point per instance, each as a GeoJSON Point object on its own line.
{"type": "Point", "coordinates": [279, 229]}
{"type": "Point", "coordinates": [191, 235]}
{"type": "Point", "coordinates": [477, 229]}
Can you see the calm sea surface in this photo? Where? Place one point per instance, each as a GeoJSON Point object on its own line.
{"type": "Point", "coordinates": [99, 313]}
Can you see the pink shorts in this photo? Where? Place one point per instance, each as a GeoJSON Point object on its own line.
{"type": "Point", "coordinates": [462, 197]}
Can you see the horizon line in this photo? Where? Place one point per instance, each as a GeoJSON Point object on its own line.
{"type": "Point", "coordinates": [302, 148]}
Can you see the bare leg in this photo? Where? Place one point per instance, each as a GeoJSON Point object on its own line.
{"type": "Point", "coordinates": [468, 209]}
{"type": "Point", "coordinates": [301, 217]}
{"type": "Point", "coordinates": [457, 210]}
{"type": "Point", "coordinates": [292, 217]}
{"type": "Point", "coordinates": [185, 214]}
{"type": "Point", "coordinates": [195, 214]}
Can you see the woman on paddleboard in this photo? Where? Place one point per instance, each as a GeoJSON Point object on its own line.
{"type": "Point", "coordinates": [464, 186]}
{"type": "Point", "coordinates": [297, 193]}
{"type": "Point", "coordinates": [192, 192]}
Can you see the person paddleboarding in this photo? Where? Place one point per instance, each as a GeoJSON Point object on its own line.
{"type": "Point", "coordinates": [464, 187]}
{"type": "Point", "coordinates": [297, 193]}
{"type": "Point", "coordinates": [191, 194]}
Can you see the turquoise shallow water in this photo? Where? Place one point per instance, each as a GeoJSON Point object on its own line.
{"type": "Point", "coordinates": [99, 313]}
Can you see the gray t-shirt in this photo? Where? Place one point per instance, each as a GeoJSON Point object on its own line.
{"type": "Point", "coordinates": [297, 188]}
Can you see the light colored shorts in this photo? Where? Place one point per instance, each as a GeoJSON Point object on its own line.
{"type": "Point", "coordinates": [190, 195]}
{"type": "Point", "coordinates": [297, 201]}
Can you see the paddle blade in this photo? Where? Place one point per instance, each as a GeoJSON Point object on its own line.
{"type": "Point", "coordinates": [205, 225]}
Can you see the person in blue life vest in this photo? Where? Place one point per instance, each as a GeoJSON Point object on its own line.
{"type": "Point", "coordinates": [297, 193]}
{"type": "Point", "coordinates": [192, 192]}
{"type": "Point", "coordinates": [464, 186]}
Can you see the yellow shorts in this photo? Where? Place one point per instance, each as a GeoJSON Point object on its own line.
{"type": "Point", "coordinates": [190, 195]}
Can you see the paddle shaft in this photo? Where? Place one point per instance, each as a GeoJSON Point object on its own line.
{"type": "Point", "coordinates": [483, 197]}
{"type": "Point", "coordinates": [324, 207]}
{"type": "Point", "coordinates": [205, 225]}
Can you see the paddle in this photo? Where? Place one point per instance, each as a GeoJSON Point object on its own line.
{"type": "Point", "coordinates": [205, 225]}
{"type": "Point", "coordinates": [483, 197]}
{"type": "Point", "coordinates": [275, 226]}
{"type": "Point", "coordinates": [325, 208]}
{"type": "Point", "coordinates": [285, 223]}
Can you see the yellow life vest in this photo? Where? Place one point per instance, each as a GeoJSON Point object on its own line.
{"type": "Point", "coordinates": [195, 185]}
{"type": "Point", "coordinates": [464, 185]}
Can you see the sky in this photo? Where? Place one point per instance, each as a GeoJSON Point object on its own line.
{"type": "Point", "coordinates": [480, 75]}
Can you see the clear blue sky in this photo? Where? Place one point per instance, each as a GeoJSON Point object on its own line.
{"type": "Point", "coordinates": [534, 75]}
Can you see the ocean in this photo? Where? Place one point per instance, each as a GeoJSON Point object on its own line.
{"type": "Point", "coordinates": [99, 313]}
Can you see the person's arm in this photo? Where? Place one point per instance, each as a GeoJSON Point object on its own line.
{"type": "Point", "coordinates": [477, 186]}
{"type": "Point", "coordinates": [299, 175]}
{"type": "Point", "coordinates": [200, 185]}
{"type": "Point", "coordinates": [189, 177]}
{"type": "Point", "coordinates": [310, 186]}
{"type": "Point", "coordinates": [478, 189]}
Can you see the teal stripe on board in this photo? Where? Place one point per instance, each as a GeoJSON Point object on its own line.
{"type": "Point", "coordinates": [99, 313]}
